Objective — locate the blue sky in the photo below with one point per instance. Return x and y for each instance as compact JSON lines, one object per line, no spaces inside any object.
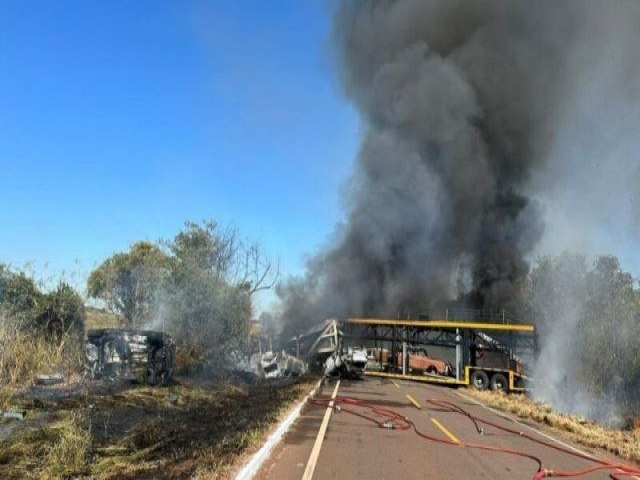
{"x":121,"y":120}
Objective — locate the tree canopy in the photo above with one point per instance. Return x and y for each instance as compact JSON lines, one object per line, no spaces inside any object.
{"x":129,"y":282}
{"x":53,"y":313}
{"x":198,"y":286}
{"x":20,"y":297}
{"x":208,"y":295}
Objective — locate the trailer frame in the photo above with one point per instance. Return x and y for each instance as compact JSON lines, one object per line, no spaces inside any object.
{"x":509,"y":339}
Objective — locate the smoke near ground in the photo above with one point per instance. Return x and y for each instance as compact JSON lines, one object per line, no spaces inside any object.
{"x":482,"y":122}
{"x":588,"y":319}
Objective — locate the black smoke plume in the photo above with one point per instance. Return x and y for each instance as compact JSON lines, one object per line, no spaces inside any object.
{"x":460,"y":103}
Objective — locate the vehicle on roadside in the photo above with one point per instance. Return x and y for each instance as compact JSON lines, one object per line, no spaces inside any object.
{"x":143,"y":355}
{"x":280,"y":365}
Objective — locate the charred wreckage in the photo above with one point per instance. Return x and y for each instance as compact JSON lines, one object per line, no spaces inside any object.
{"x":130,"y":354}
{"x":485,"y":352}
{"x":320,"y":350}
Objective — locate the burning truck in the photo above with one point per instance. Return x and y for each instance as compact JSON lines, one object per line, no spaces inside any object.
{"x":324,"y":349}
{"x":142,"y":355}
{"x":320,"y":349}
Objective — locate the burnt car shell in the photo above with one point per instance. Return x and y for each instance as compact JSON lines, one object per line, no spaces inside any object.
{"x":130,"y":354}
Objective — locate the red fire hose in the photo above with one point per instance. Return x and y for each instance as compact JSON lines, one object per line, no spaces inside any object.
{"x":387,"y":418}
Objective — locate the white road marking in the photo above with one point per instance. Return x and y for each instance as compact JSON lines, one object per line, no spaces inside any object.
{"x":256,"y":461}
{"x":511,"y":417}
{"x":315,"y":452}
{"x":504,"y":414}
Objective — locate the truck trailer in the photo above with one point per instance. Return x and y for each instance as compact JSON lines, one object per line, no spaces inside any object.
{"x":480,"y":354}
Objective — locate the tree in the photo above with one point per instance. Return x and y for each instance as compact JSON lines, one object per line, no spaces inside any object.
{"x":221,"y":253}
{"x":129,"y":282}
{"x":198,"y":285}
{"x":20,"y":297}
{"x":52,"y":314}
{"x":208,"y":295}
{"x":609,"y":329}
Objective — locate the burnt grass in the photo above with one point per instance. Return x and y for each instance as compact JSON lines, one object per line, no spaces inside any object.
{"x":187,"y":429}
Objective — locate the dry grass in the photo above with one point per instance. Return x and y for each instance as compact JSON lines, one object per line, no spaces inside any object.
{"x":23,"y":355}
{"x":120,"y":431}
{"x":6,"y":395}
{"x":188,"y":430}
{"x":57,"y":450}
{"x":69,"y":455}
{"x":131,"y":432}
{"x":623,"y":443}
{"x":221,"y":460}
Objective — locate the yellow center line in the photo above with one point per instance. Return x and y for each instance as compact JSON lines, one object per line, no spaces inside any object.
{"x":414,"y":401}
{"x":451,"y":436}
{"x":435,"y":421}
{"x":394,"y":382}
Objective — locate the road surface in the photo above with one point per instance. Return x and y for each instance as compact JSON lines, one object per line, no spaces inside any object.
{"x":354,"y":448}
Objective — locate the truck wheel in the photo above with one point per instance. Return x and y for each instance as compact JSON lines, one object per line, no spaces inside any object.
{"x":499,"y":382}
{"x":432,"y":370}
{"x":480,"y":379}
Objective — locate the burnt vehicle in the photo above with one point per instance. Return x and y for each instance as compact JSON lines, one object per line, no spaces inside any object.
{"x":419,"y":361}
{"x":142,"y":355}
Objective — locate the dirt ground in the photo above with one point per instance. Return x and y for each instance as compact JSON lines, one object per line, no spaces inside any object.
{"x":102,"y":430}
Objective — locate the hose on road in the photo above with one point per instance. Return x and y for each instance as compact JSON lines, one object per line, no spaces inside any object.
{"x":387,"y":418}
{"x":395,"y":420}
{"x":622,"y":470}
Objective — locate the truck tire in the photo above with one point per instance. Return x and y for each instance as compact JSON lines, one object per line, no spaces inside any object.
{"x":479,"y":379}
{"x":499,"y":382}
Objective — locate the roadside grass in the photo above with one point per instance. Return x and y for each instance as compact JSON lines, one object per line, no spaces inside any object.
{"x":195,"y":431}
{"x":69,"y":455}
{"x":6,"y":394}
{"x":23,"y":355}
{"x":57,"y":450}
{"x":196,"y":427}
{"x":181,"y":431}
{"x":622,"y":443}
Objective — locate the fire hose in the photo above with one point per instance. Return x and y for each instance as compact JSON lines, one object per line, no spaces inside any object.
{"x":390,"y":419}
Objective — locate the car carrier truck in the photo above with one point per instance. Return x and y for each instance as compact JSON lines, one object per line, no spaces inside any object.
{"x":481,"y":354}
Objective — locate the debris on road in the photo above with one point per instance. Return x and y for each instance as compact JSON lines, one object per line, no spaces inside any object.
{"x":347,"y":365}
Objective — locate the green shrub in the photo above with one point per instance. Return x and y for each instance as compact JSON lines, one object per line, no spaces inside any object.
{"x":62,"y":312}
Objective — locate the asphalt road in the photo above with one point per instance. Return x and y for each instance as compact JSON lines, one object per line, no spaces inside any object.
{"x":354,"y":448}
